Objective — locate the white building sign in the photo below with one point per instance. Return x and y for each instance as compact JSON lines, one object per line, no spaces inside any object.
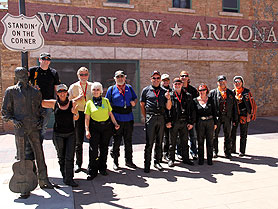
{"x":22,"y":33}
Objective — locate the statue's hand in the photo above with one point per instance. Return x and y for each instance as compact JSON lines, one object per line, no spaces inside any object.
{"x":17,"y":123}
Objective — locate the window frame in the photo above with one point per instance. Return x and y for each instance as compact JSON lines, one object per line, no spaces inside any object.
{"x":236,"y":10}
{"x":127,"y":2}
{"x":190,"y":6}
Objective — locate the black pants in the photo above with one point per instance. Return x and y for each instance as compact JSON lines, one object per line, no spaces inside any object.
{"x":65,"y":146}
{"x":80,"y":133}
{"x":98,"y":149}
{"x":243,"y":137}
{"x":124,"y":132}
{"x":165,"y":143}
{"x":205,"y":129}
{"x":179,"y":128}
{"x":154,"y":134}
{"x":226,"y":122}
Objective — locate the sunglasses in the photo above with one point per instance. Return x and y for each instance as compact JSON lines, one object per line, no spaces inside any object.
{"x":178,"y":83}
{"x":46,"y":58}
{"x":202,"y":89}
{"x":237,"y":81}
{"x":85,"y":74}
{"x":120,"y":76}
{"x":183,"y":76}
{"x":62,"y":90}
{"x":156,"y":78}
{"x":96,"y":89}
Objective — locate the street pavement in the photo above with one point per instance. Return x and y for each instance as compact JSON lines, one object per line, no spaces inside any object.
{"x":243,"y":182}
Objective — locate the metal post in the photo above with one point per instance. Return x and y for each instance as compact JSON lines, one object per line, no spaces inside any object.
{"x":24,"y":55}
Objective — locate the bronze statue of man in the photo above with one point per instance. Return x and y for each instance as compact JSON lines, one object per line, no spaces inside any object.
{"x":22,"y":106}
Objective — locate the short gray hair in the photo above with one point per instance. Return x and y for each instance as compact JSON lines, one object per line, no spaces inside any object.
{"x":82,"y":69}
{"x":97,"y":85}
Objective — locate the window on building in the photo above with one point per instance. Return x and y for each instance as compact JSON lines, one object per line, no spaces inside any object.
{"x":3,"y":4}
{"x":119,"y":1}
{"x":230,"y":5}
{"x":182,"y":4}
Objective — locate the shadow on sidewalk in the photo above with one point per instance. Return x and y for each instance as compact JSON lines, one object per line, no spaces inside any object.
{"x":257,"y":160}
{"x":49,"y":198}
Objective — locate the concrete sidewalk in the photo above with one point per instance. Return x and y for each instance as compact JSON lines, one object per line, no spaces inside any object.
{"x":247,"y":182}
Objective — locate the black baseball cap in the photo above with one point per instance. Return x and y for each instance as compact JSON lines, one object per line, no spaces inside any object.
{"x":155,"y":72}
{"x":45,"y":55}
{"x":221,"y":78}
{"x":177,"y":80}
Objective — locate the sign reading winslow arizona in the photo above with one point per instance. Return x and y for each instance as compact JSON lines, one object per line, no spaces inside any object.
{"x":62,"y":23}
{"x":22,"y":33}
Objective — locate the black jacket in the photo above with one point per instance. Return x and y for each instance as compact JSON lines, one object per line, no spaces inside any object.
{"x":246,"y":99}
{"x":230,"y":101}
{"x":175,"y":112}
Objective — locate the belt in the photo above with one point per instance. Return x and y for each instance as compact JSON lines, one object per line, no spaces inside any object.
{"x":206,"y":117}
{"x":102,"y":122}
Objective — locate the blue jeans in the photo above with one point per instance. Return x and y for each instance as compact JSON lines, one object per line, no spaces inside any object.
{"x":193,"y":141}
{"x":47,"y":114}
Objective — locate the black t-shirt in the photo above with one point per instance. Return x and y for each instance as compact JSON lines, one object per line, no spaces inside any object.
{"x":155,"y":100}
{"x":45,"y":79}
{"x":192,"y":90}
{"x":63,"y":119}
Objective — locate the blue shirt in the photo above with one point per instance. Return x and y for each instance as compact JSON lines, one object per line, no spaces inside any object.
{"x":117,"y":99}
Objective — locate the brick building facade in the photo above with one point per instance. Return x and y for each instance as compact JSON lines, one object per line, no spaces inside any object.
{"x":204,"y":38}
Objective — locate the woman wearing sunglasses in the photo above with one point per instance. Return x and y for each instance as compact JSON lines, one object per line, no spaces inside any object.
{"x":206,"y":123}
{"x":65,"y":112}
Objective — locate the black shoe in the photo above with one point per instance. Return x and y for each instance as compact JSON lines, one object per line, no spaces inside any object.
{"x":188,"y":162}
{"x":241,"y":154}
{"x":104,"y":173}
{"x":228,"y":156}
{"x":171,"y":163}
{"x":233,"y":152}
{"x":215,"y":155}
{"x":210,"y":162}
{"x":24,"y":195}
{"x":158,"y":167}
{"x":71,"y":183}
{"x":131,"y":165}
{"x":77,"y":168}
{"x":194,"y":156}
{"x":201,"y":162}
{"x":146,"y":170}
{"x":91,"y":177}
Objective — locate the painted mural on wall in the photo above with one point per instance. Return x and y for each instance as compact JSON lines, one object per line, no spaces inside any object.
{"x":62,"y":23}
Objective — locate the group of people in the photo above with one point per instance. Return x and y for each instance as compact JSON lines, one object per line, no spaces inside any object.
{"x":172,"y":117}
{"x":173,"y":114}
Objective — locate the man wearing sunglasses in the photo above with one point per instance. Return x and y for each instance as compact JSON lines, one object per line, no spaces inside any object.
{"x":122,"y":98}
{"x":184,"y":76}
{"x":80,"y":92}
{"x":181,"y":119}
{"x":45,"y":79}
{"x":226,"y":113}
{"x":154,"y":101}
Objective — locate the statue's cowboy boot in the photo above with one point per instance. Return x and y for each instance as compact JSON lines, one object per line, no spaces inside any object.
{"x":45,"y":184}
